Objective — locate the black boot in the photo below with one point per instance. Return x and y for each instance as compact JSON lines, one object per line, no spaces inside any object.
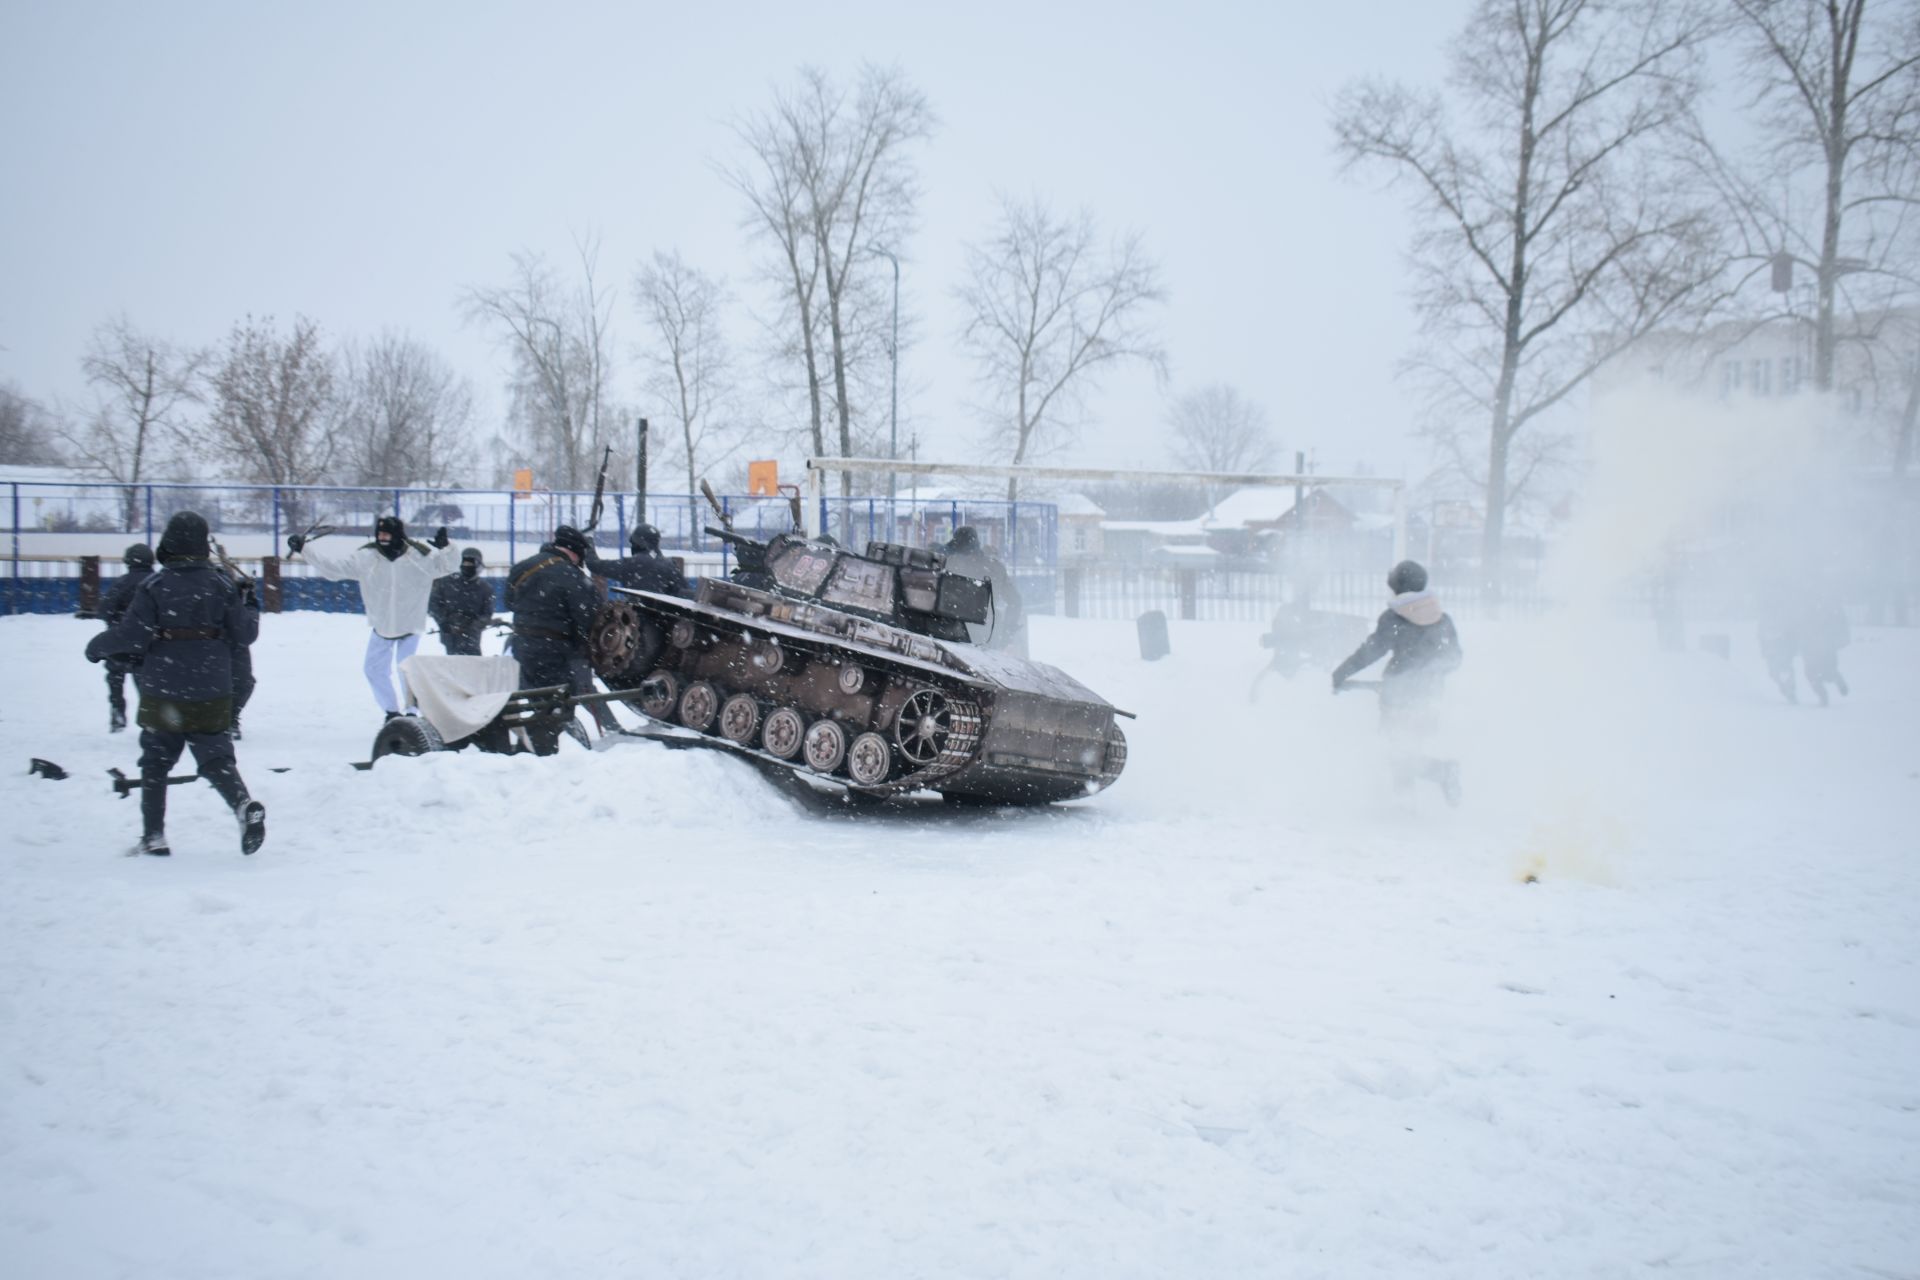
{"x":116,"y":720}
{"x":253,"y":825}
{"x":154,"y":845}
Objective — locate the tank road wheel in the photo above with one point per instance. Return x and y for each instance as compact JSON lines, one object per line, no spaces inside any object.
{"x":782,"y":733}
{"x":825,"y":746}
{"x":698,"y":705}
{"x":739,"y":717}
{"x":614,"y":638}
{"x":407,"y":736}
{"x":659,"y":695}
{"x":924,"y":725}
{"x":869,"y":760}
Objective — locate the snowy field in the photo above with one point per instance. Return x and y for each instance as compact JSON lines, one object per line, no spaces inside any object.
{"x":636,"y":1012}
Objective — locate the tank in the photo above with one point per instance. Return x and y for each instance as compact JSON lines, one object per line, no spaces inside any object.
{"x":856,"y":668}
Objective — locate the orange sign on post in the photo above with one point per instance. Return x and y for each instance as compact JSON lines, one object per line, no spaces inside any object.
{"x":763,"y":479}
{"x":523,"y":482}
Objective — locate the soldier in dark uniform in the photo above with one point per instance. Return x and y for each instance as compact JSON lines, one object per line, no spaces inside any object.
{"x":462,"y":604}
{"x":1006,"y":628}
{"x":553,"y":605}
{"x":138,"y":560}
{"x":645,"y":570}
{"x":243,"y":681}
{"x":184,"y":624}
{"x":1418,"y":639}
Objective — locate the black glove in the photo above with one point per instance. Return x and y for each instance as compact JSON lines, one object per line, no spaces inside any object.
{"x":440,"y":538}
{"x":295,"y":541}
{"x":94,"y":653}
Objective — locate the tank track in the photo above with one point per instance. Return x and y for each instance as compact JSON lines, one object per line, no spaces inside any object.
{"x":964,"y":726}
{"x":963,"y":737}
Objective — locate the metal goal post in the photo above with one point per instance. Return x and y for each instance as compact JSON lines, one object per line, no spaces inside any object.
{"x":817,"y":468}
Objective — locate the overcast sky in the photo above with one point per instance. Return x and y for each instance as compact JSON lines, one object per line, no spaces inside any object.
{"x":189,"y":163}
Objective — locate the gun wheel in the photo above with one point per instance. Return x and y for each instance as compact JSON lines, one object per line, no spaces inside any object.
{"x":783,"y":732}
{"x":407,"y":736}
{"x":869,"y":760}
{"x":739,"y":718}
{"x":825,"y":746}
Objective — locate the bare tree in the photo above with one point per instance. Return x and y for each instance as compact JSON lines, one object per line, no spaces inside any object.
{"x":1048,"y":311}
{"x":145,"y":386}
{"x":26,"y":430}
{"x":1218,"y":429}
{"x":1837,"y":187}
{"x":272,"y":402}
{"x":829,"y":176}
{"x":403,"y":413}
{"x":560,"y":342}
{"x":688,"y":366}
{"x":1553,"y":234}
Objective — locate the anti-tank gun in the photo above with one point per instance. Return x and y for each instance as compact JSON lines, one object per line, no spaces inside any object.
{"x":855,"y":668}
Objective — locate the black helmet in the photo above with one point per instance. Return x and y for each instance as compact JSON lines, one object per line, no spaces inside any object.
{"x":473,"y":554}
{"x":965,"y":538}
{"x":138,"y":556}
{"x":185,"y":539}
{"x":568,"y":538}
{"x":644,"y":540}
{"x":1407,"y":576}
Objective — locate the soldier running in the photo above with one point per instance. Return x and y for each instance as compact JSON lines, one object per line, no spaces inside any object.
{"x":182,"y":625}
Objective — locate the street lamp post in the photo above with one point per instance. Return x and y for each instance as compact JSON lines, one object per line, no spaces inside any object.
{"x":893,"y":353}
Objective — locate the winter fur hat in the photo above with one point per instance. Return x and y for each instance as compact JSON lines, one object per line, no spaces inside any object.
{"x":138,"y":556}
{"x":568,"y":538}
{"x":644,"y":540}
{"x":185,"y":538}
{"x":396,"y":544}
{"x":1407,"y":576}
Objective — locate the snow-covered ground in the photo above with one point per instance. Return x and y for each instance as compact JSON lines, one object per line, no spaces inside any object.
{"x":637,"y":1013}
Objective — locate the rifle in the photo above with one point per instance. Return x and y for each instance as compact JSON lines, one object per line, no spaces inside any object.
{"x":599,"y":492}
{"x":714,"y":502}
{"x":238,"y":576}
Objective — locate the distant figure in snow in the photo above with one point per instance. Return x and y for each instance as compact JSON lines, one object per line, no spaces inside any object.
{"x":1823,"y":633}
{"x":1006,"y":628}
{"x":182,"y":625}
{"x":462,"y":605}
{"x":396,"y":576}
{"x":138,"y":560}
{"x":1425,"y":649}
{"x":1811,"y":626}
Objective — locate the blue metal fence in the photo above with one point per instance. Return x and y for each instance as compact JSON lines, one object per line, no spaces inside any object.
{"x":49,"y":524}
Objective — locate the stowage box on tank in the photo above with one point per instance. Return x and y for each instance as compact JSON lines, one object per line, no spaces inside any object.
{"x":857,"y":668}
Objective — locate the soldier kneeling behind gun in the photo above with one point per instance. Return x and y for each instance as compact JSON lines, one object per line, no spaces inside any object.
{"x":1425,"y":648}
{"x":183,"y":625}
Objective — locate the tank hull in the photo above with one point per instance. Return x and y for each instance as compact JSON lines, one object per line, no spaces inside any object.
{"x":869,"y":705}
